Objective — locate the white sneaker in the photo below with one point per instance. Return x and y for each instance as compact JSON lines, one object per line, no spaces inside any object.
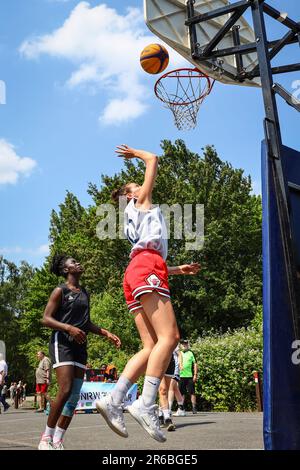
{"x":58,"y":445}
{"x":148,"y":419}
{"x":45,"y":443}
{"x":180,"y":412}
{"x":113,"y":415}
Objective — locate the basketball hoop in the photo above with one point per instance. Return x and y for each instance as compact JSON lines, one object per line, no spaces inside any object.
{"x":183,"y":91}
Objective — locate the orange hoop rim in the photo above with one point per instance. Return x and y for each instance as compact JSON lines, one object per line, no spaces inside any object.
{"x":179,"y":73}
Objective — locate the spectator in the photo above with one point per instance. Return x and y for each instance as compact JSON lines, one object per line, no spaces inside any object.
{"x":20,"y":392}
{"x":3,"y":397}
{"x":3,"y":369}
{"x":24,"y":393}
{"x":103,"y":373}
{"x":111,"y":374}
{"x":13,"y":391}
{"x":3,"y":374}
{"x":188,"y":373}
{"x":43,"y":375}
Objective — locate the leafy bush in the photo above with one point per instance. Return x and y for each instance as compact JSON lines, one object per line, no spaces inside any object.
{"x":226,"y":364}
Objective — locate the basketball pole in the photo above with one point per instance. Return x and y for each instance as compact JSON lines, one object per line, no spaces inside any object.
{"x":274,"y":147}
{"x":278,"y":434}
{"x":272,"y":130}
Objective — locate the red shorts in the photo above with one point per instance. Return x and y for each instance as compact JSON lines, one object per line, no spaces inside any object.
{"x":146,"y":272}
{"x":41,"y":388}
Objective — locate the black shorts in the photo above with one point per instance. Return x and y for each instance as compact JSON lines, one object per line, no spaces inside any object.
{"x":171,"y":368}
{"x":67,"y":353}
{"x":187,"y":386}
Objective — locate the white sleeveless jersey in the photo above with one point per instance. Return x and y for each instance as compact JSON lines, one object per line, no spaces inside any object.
{"x":146,"y":230}
{"x":176,"y":359}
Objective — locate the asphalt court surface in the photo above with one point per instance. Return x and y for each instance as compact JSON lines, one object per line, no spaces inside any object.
{"x":21,"y":430}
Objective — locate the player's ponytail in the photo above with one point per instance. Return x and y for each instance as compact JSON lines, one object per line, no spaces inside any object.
{"x":123,"y":191}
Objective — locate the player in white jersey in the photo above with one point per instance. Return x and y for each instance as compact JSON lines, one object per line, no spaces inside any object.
{"x":168,"y":387}
{"x":148,"y":298}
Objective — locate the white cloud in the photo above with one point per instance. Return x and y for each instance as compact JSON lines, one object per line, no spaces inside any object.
{"x":118,"y":111}
{"x":256,"y":187}
{"x":40,"y":250}
{"x":11,"y":165}
{"x":105,"y":47}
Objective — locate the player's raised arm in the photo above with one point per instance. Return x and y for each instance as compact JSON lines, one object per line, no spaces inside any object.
{"x":144,"y":200}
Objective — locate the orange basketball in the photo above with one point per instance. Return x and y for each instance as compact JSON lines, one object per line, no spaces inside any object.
{"x":154,"y":58}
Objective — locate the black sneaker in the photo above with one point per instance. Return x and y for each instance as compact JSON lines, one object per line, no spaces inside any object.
{"x":169,"y":425}
{"x":194,"y":411}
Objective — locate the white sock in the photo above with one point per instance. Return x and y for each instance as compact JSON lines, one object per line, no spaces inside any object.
{"x":166,"y":414}
{"x":170,"y":405}
{"x":58,"y":435}
{"x":150,"y":389}
{"x":120,"y":390}
{"x":49,"y":432}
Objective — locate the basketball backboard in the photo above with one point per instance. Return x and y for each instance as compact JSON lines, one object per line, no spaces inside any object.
{"x":166,"y":19}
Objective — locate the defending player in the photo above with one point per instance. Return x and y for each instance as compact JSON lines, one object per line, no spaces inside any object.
{"x":68,"y":314}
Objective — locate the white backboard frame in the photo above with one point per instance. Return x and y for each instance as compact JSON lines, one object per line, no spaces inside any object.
{"x":166,"y":19}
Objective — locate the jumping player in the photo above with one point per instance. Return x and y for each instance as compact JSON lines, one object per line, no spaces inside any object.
{"x":148,"y":298}
{"x":68,"y":314}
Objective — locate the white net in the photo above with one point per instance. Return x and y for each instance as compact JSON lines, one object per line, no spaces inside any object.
{"x":183,"y":91}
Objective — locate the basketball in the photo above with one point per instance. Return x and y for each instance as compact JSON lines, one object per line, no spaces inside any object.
{"x":154,"y":58}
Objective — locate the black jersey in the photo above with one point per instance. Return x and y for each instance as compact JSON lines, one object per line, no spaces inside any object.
{"x":74,"y":309}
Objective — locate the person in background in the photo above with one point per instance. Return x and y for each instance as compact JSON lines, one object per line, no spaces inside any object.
{"x":188,"y":373}
{"x":43,"y":375}
{"x":3,"y":397}
{"x":3,"y":375}
{"x":12,"y":392}
{"x":112,"y":374}
{"x":174,"y":391}
{"x":103,"y":373}
{"x":23,"y":399}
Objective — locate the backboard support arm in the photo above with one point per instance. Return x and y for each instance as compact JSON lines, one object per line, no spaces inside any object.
{"x":265,"y":71}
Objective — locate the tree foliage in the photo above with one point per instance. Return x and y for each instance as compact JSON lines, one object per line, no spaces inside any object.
{"x":225,"y":294}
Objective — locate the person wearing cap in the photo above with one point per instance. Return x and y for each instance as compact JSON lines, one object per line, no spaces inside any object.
{"x":188,"y":373}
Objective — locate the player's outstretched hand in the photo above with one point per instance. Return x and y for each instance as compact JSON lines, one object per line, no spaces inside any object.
{"x":129,"y":152}
{"x":114,"y":339}
{"x":192,"y":268}
{"x":125,"y":151}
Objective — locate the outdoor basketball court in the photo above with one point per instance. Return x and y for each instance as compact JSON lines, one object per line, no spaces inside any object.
{"x":21,"y":430}
{"x":221,"y":46}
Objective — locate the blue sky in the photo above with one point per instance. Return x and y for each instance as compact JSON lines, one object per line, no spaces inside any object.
{"x":74,"y":90}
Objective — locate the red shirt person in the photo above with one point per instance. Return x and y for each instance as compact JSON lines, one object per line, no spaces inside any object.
{"x":42,"y":375}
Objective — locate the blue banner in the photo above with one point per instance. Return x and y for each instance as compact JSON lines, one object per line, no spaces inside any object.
{"x":92,"y":391}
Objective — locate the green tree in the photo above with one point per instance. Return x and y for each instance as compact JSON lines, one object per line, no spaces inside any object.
{"x":225,"y":294}
{"x":14,"y":283}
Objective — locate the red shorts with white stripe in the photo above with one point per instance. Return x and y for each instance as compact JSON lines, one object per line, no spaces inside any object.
{"x":146,"y":272}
